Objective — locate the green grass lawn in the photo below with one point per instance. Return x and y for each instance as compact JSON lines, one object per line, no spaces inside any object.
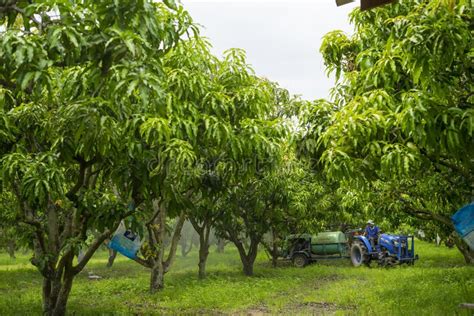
{"x":436,"y":285}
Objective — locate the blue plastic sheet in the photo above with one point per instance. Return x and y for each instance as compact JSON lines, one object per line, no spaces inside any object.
{"x":463,"y":221}
{"x":125,"y":242}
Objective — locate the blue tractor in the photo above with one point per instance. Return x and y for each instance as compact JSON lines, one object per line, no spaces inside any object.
{"x":388,"y":250}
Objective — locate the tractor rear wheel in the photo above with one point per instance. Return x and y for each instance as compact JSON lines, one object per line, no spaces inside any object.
{"x":300,"y":260}
{"x":359,"y":254}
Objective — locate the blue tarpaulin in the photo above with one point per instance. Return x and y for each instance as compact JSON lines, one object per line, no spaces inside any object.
{"x":125,"y":242}
{"x":463,"y":221}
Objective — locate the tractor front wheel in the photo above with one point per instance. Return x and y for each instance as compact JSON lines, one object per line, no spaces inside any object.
{"x":300,"y":260}
{"x":359,"y":255}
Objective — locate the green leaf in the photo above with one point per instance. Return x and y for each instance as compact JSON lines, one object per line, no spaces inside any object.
{"x":171,"y":4}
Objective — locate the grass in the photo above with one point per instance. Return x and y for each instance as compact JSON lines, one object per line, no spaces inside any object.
{"x":436,"y":285}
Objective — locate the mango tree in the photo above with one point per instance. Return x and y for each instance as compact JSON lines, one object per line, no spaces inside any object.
{"x":73,"y":76}
{"x":401,"y":118}
{"x":299,"y":200}
{"x":166,"y":173}
{"x":215,"y":109}
{"x":202,"y":110}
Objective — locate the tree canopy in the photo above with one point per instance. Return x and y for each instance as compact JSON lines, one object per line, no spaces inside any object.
{"x":401,"y":119}
{"x":74,"y":77}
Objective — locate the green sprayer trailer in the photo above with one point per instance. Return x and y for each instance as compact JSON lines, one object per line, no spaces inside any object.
{"x":305,"y":248}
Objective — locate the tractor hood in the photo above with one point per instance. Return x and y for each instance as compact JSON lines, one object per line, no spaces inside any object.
{"x":391,"y":238}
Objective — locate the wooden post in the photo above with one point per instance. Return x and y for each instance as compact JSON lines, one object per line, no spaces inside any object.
{"x":369,"y":4}
{"x":343,"y":2}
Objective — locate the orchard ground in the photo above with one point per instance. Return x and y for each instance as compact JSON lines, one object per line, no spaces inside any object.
{"x":436,"y":285}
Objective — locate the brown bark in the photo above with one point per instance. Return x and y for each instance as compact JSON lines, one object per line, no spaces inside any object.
{"x":175,"y":242}
{"x":61,"y":303}
{"x":274,"y":258}
{"x":57,"y":286}
{"x":247,"y":258}
{"x":203,"y":251}
{"x":11,"y":247}
{"x":185,"y":250}
{"x":220,"y":245}
{"x":204,"y":232}
{"x":467,"y":252}
{"x":203,"y":254}
{"x":248,"y":268}
{"x":274,"y":251}
{"x":53,"y":228}
{"x":46,"y":295}
{"x":157,"y":277}
{"x":156,"y":237}
{"x":111,"y":259}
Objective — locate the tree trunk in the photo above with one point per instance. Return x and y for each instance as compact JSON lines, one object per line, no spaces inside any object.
{"x":58,"y":276}
{"x":56,"y":289}
{"x":157,"y":281}
{"x":247,"y":267}
{"x":248,"y":259}
{"x":274,"y":251}
{"x":156,"y":236}
{"x":11,"y":247}
{"x":203,"y":252}
{"x":61,"y":303}
{"x":47,"y":296}
{"x":112,"y":255}
{"x":174,"y":242}
{"x":467,"y":253}
{"x":274,"y":260}
{"x":204,"y":232}
{"x":184,"y":247}
{"x":160,"y":267}
{"x":220,"y":245}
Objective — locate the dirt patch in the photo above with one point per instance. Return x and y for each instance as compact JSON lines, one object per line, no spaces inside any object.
{"x":254,"y":311}
{"x":313,"y":308}
{"x":295,"y":304}
{"x":324,"y":306}
{"x":146,"y":309}
{"x":309,"y":308}
{"x":319,"y":282}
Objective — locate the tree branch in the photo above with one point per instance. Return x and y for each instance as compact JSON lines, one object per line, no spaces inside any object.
{"x":71,"y":194}
{"x":427,"y":215}
{"x":97,"y":242}
{"x":196,"y":226}
{"x":174,"y":242}
{"x":39,"y":233}
{"x":142,"y":262}
{"x":93,"y":248}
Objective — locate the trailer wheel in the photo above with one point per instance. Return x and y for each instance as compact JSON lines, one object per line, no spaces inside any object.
{"x":359,"y":255}
{"x":300,"y":260}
